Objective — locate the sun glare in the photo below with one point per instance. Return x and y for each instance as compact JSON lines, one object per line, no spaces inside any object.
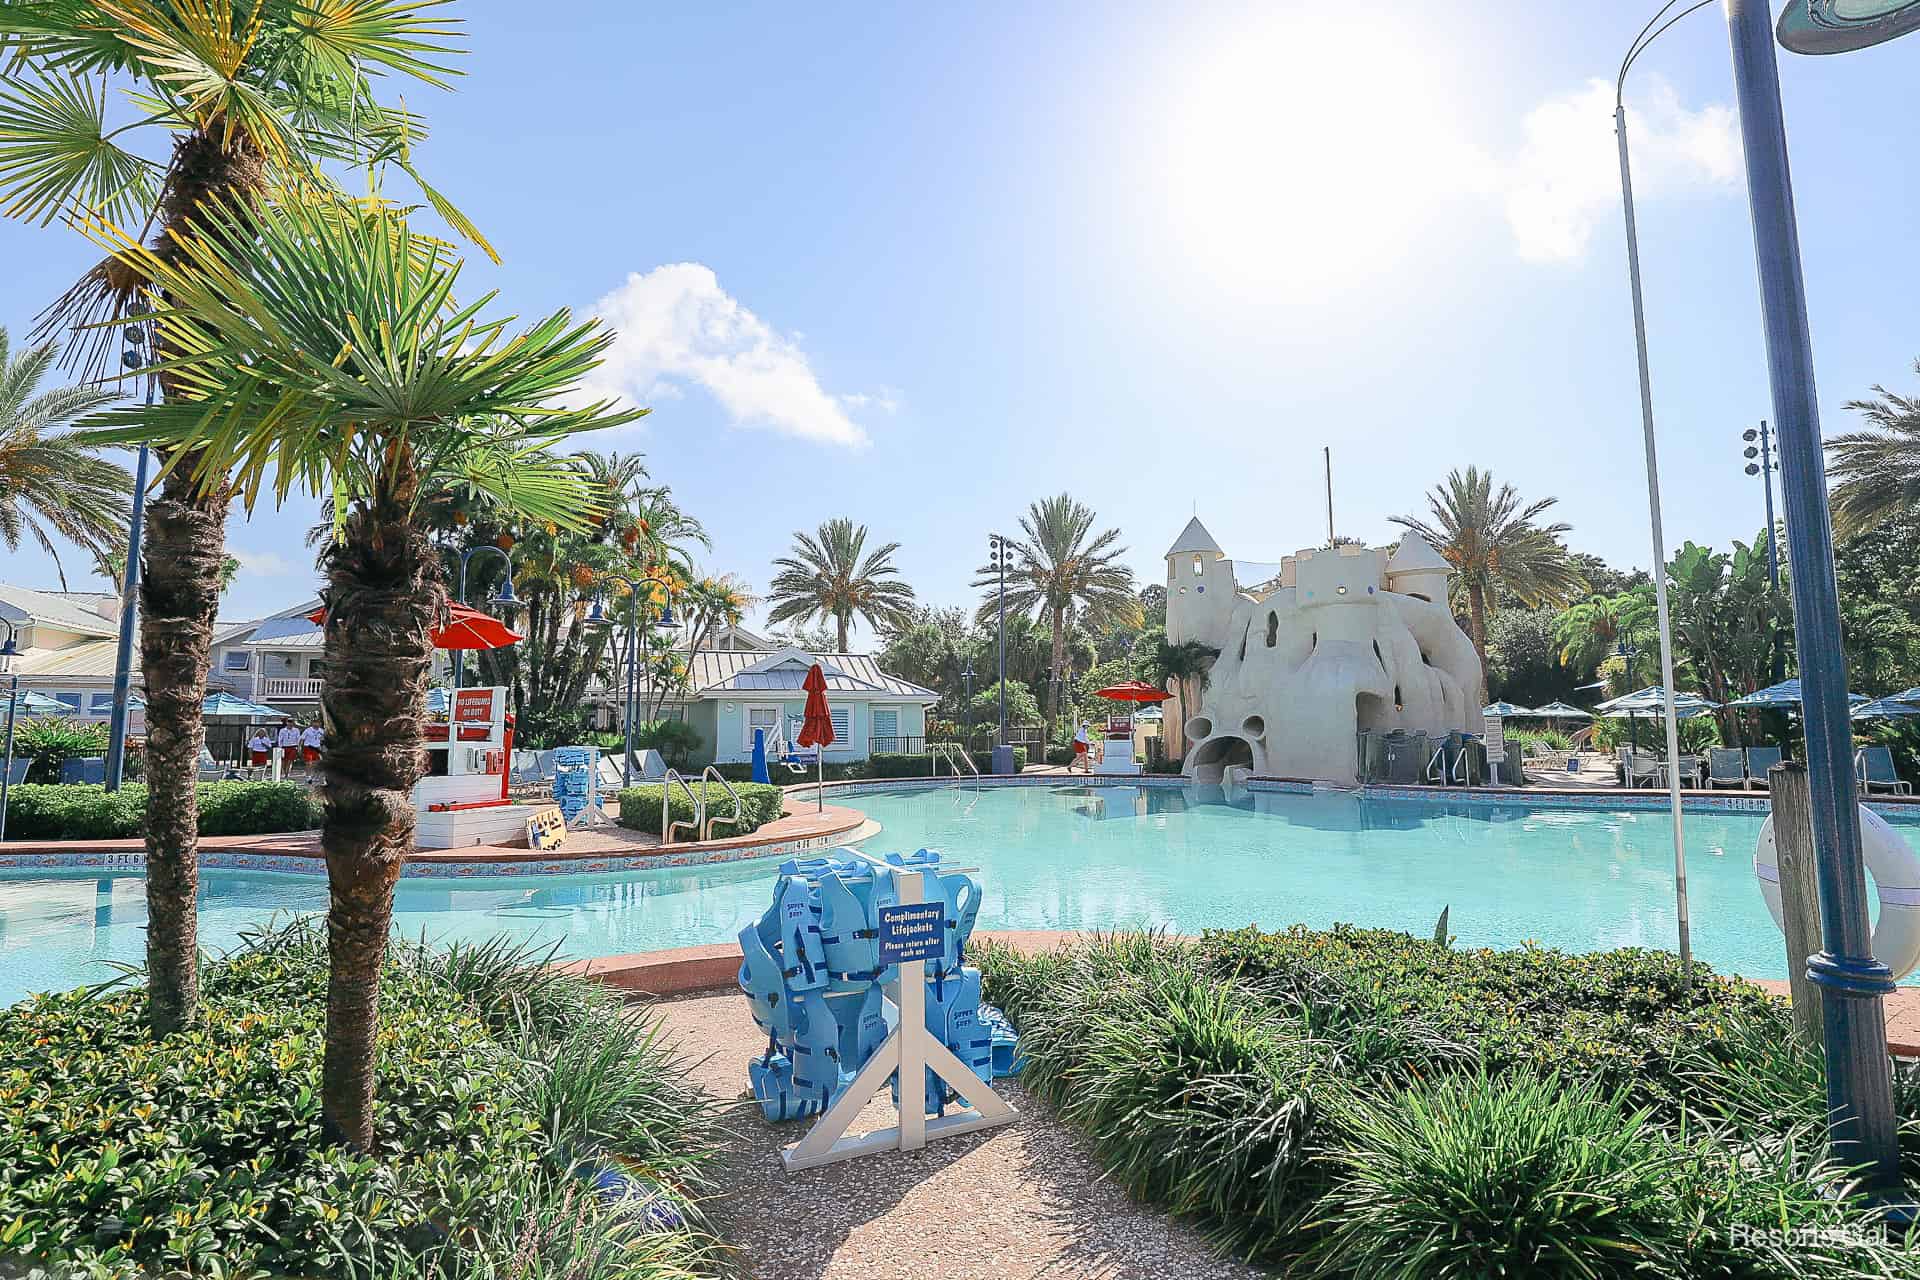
{"x":1306,"y":154}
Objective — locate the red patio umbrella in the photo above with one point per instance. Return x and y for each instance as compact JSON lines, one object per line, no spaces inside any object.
{"x":1132,"y":691}
{"x":465,"y":628}
{"x":816,"y":730}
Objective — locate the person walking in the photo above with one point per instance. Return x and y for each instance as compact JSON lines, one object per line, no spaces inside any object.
{"x":259,"y":746}
{"x":289,"y":744}
{"x":310,"y":741}
{"x":1081,"y":750}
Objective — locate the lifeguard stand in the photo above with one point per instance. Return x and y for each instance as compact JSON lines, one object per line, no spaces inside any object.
{"x":463,"y":799}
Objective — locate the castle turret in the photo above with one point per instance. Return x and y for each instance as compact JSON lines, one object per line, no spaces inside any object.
{"x":1416,"y":569}
{"x":1200,"y":587}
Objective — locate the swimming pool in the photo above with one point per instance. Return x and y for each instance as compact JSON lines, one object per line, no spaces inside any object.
{"x":1054,"y":858}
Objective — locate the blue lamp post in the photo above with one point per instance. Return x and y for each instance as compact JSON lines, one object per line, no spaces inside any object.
{"x":1861,"y":1128}
{"x":597,"y":617}
{"x":138,"y":352}
{"x":504,"y":596}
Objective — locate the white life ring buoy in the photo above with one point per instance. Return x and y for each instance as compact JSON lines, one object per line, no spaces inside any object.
{"x":1895,"y":865}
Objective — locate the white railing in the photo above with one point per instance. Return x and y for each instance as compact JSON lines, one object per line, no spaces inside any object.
{"x":290,"y":686}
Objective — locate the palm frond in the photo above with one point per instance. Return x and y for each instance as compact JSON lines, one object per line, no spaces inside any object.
{"x":55,"y":153}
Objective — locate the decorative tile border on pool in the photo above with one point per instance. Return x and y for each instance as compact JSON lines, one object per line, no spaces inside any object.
{"x":435,"y":868}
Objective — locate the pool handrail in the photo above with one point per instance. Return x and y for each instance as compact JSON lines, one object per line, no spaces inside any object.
{"x":739,"y":810}
{"x":698,"y":798}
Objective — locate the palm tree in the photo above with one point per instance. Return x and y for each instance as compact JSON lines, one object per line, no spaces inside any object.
{"x":325,"y":352}
{"x":1876,"y":472}
{"x":49,"y":483}
{"x":831,"y":574}
{"x":1495,"y":546}
{"x":1186,"y":664}
{"x":256,"y":98}
{"x":1064,"y":573}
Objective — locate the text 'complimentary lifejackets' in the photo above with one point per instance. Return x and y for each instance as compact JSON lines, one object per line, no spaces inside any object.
{"x":914,"y":932}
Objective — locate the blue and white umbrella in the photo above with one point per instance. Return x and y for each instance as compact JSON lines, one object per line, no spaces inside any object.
{"x":1784,"y":694}
{"x":1652,"y":699}
{"x":30,"y":703}
{"x":1504,"y":710}
{"x":226,"y":704}
{"x":1905,"y":695}
{"x":1561,"y":711}
{"x":1886,"y":709}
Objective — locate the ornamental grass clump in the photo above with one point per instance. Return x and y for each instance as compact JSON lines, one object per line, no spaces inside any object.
{"x":207,"y":1153}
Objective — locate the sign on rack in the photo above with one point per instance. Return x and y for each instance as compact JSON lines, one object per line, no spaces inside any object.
{"x":916,"y":932}
{"x":473,"y":706}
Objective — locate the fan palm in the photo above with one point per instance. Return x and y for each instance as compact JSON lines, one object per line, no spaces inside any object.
{"x":254,"y":97}
{"x":1495,"y":545}
{"x":831,"y":574}
{"x":320,"y":349}
{"x":1876,"y":472}
{"x":49,"y":483}
{"x":1066,"y":574}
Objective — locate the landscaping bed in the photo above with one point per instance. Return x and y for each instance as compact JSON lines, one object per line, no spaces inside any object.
{"x":501,"y":1083}
{"x":91,"y":812}
{"x":1358,"y":1103}
{"x":760,"y":804}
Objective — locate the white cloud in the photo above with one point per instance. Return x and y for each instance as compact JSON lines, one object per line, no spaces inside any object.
{"x":678,"y":326}
{"x":261,"y":564}
{"x":1566,"y":176}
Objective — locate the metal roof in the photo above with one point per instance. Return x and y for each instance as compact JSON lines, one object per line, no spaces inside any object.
{"x":726,"y":674}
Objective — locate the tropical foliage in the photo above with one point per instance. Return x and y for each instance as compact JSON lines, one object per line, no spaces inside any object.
{"x":321,"y":349}
{"x":88,"y":812}
{"x":1359,"y":1104}
{"x":49,"y":484}
{"x":831,"y":576}
{"x":1496,"y":545}
{"x":1875,"y":471}
{"x":208,"y":1154}
{"x":252,"y":104}
{"x":1063,"y":574}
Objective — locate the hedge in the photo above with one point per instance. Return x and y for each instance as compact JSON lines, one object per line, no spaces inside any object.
{"x":91,"y":812}
{"x":760,"y":803}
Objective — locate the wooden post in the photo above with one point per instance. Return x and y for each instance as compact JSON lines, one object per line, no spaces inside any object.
{"x":1799,"y":892}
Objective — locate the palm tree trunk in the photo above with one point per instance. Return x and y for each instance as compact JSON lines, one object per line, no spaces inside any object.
{"x":1477,"y":632}
{"x":185,"y":543}
{"x":384,"y":592}
{"x":1056,"y":665}
{"x":843,"y":619}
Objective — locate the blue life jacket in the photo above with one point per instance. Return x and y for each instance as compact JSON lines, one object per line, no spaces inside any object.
{"x":1006,"y":1043}
{"x":849,"y":928}
{"x":970,"y":1039}
{"x":760,"y":982}
{"x":962,"y":894}
{"x":803,"y":959}
{"x":863,"y":1028}
{"x":772,"y":1079}
{"x":815,"y":1049}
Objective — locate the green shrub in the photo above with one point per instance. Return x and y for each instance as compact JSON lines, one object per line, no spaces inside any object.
{"x":760,"y":803}
{"x":203,"y":1153}
{"x":49,"y":741}
{"x":91,"y":812}
{"x":1359,"y":1103}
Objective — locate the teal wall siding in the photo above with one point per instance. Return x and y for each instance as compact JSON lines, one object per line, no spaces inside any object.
{"x":722,"y":723}
{"x":702,"y":716}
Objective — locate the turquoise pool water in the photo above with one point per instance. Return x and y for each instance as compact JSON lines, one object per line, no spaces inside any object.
{"x":1054,"y":858}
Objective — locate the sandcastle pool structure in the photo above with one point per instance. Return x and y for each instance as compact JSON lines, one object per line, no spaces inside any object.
{"x":1343,"y":639}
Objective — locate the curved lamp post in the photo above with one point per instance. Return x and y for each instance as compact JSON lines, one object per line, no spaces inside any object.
{"x":504,"y":596}
{"x":1656,"y":26}
{"x":1860,"y":1127}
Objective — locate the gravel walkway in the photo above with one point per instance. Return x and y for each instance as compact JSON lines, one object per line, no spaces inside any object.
{"x":1015,"y":1203}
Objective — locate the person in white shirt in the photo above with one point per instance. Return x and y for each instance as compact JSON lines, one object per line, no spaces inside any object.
{"x":289,"y":744}
{"x":310,"y":740}
{"x":258,"y":746}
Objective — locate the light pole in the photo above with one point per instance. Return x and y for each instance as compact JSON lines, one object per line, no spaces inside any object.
{"x":966,"y":674}
{"x":1002,"y":551}
{"x":504,"y":596}
{"x":597,"y":617}
{"x":7,"y":654}
{"x":1627,"y":652}
{"x":1656,"y":26}
{"x":1764,"y":468}
{"x":1860,"y":1125}
{"x":137,"y":338}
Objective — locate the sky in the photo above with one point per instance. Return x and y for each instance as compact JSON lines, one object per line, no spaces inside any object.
{"x":923,"y":266}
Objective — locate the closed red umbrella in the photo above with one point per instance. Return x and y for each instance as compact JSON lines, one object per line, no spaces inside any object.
{"x":1132,"y":691}
{"x":816,"y":730}
{"x":465,"y":628}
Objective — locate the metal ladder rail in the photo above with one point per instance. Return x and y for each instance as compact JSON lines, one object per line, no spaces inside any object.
{"x":739,"y":809}
{"x":698,"y":798}
{"x":949,"y":751}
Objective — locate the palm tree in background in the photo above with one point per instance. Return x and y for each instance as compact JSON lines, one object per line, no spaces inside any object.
{"x":1185,"y":664}
{"x":1876,"y":472}
{"x":831,"y":575}
{"x":1066,"y":574}
{"x":326,"y":353}
{"x":49,"y":483}
{"x":1495,"y":545}
{"x":256,"y":99}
